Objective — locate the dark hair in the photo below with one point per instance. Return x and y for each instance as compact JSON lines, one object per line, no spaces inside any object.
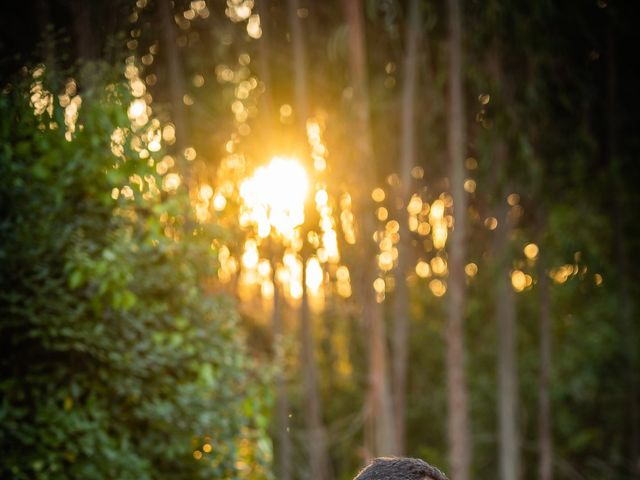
{"x":385,"y":468}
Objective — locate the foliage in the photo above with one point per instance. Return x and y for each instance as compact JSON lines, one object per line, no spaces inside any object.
{"x":115,"y":361}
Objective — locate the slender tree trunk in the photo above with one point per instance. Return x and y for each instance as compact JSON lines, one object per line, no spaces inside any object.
{"x":407,"y":161}
{"x":316,"y":435}
{"x":283,"y":454}
{"x":545,"y":438}
{"x":87,"y":48}
{"x":299,"y":62}
{"x":458,"y":410}
{"x":83,"y":28}
{"x":507,"y":361}
{"x":177,"y":89}
{"x":622,"y":252}
{"x":46,"y":28}
{"x":380,"y":432}
{"x":264,"y":70}
{"x":316,"y":440}
{"x":379,"y":408}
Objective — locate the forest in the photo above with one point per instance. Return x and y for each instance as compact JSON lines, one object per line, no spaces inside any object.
{"x":275,"y":239}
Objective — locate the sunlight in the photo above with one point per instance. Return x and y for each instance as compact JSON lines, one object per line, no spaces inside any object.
{"x":273,"y":198}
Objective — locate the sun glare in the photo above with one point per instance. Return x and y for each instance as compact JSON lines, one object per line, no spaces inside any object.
{"x":274,"y":197}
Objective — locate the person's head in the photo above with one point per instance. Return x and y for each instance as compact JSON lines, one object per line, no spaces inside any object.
{"x":385,"y":468}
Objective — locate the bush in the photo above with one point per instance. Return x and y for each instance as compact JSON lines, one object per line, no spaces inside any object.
{"x":114,"y":361}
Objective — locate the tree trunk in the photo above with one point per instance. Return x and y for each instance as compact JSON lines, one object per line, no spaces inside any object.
{"x":316,"y":435}
{"x":283,"y":454}
{"x":83,"y":29}
{"x":86,"y":43}
{"x":622,"y":252}
{"x":316,"y":440}
{"x":407,"y":161}
{"x":458,"y":410}
{"x":380,"y":433}
{"x":264,"y":70}
{"x":545,"y":438}
{"x":299,"y":63}
{"x":46,"y":27}
{"x":177,"y":89}
{"x":507,"y":361}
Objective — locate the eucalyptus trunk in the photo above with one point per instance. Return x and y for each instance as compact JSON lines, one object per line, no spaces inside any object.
{"x":283,"y":452}
{"x":509,"y":442}
{"x":628,"y":322}
{"x":407,"y":162}
{"x":316,"y":437}
{"x":458,"y":409}
{"x":177,"y":89}
{"x":264,"y":56}
{"x":380,"y":434}
{"x":545,"y":438}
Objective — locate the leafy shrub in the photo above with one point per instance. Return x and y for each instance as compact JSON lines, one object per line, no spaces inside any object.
{"x":115,"y":362}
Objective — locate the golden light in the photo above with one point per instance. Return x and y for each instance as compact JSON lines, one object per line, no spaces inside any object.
{"x":190,"y":153}
{"x":424,"y":229}
{"x":253,"y":27}
{"x":318,"y":149}
{"x":267,"y":289}
{"x":292,"y":275}
{"x":219,"y":202}
{"x":531,"y":251}
{"x":439,"y":235}
{"x":471,"y":163}
{"x":437,"y":287}
{"x":171,"y":182}
{"x":137,"y":112}
{"x":415,"y":205}
{"x":169,"y":134}
{"x":471,"y":269}
{"x":378,"y":195}
{"x":519,"y":280}
{"x":314,"y":275}
{"x":273,"y":198}
{"x":491,"y":223}
{"x":250,"y":257}
{"x":470,"y":185}
{"x":437,"y":210}
{"x":562,"y":273}
{"x":417,"y":172}
{"x":438,"y":265}
{"x":422,"y":269}
{"x":330,"y":245}
{"x":385,"y":261}
{"x":321,"y":198}
{"x":343,"y":281}
{"x":513,"y":199}
{"x":392,"y":226}
{"x":205,"y":192}
{"x":286,"y":110}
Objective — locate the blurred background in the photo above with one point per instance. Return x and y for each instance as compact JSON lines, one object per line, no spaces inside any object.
{"x":277,"y":238}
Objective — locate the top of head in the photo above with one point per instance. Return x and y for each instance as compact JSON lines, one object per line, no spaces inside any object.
{"x":392,"y":468}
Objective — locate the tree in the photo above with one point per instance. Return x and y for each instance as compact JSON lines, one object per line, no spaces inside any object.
{"x":115,"y":363}
{"x":175,"y":82}
{"x":316,"y":439}
{"x":407,"y":162}
{"x":381,"y":433}
{"x":458,"y":414}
